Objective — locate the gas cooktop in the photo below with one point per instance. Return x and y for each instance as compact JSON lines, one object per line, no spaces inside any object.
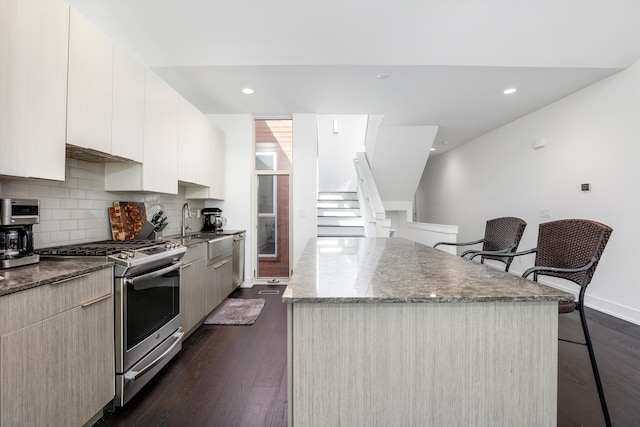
{"x":126,"y":253}
{"x":98,"y":249}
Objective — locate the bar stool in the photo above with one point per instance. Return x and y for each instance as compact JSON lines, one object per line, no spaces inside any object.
{"x":570,"y":249}
{"x":501,"y":235}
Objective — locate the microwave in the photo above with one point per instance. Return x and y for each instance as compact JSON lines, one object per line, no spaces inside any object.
{"x":19,"y":211}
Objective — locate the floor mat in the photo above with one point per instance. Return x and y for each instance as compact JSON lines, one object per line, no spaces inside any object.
{"x":236,"y":311}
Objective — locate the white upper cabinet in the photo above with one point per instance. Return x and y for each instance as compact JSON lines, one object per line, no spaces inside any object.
{"x":160,"y":165}
{"x":33,"y":87}
{"x":159,"y":169}
{"x":215,"y":165}
{"x":128,"y":107}
{"x":193,"y":147}
{"x":90,"y":92}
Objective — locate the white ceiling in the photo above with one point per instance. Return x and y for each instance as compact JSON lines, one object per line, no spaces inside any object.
{"x":448,"y":61}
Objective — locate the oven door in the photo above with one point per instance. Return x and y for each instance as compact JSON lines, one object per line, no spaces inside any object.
{"x":147,"y":312}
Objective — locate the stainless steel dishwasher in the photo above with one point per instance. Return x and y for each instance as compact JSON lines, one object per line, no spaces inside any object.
{"x":238,"y":259}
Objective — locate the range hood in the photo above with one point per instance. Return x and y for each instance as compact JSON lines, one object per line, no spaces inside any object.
{"x":93,"y":156}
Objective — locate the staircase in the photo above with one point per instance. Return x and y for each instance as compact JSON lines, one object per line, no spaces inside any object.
{"x":339,"y":215}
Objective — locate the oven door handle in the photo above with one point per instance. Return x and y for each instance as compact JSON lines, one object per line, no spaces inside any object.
{"x":161,"y":272}
{"x":134,"y":375}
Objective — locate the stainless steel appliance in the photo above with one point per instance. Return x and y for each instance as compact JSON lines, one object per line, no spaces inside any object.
{"x":17,"y":217}
{"x":219,"y":251}
{"x":213,"y":220}
{"x":238,"y":259}
{"x":147,"y":306}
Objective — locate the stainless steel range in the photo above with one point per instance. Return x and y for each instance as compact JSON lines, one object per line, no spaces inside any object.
{"x":147,"y":305}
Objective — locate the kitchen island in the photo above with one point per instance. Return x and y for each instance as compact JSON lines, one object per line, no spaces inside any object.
{"x":386,"y":332}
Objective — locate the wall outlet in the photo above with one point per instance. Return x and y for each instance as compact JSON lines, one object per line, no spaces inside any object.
{"x":544,"y":213}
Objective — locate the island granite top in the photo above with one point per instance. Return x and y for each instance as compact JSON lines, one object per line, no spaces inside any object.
{"x":46,"y":272}
{"x":397,"y":270}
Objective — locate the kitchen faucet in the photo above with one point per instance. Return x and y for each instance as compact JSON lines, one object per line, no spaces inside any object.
{"x":187,"y":215}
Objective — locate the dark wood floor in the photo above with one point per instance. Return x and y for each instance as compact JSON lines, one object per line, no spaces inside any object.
{"x":231,"y":376}
{"x":224,"y":376}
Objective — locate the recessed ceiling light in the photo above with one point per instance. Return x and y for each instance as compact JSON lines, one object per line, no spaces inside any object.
{"x":510,"y":91}
{"x":432,"y":149}
{"x":247,"y":91}
{"x":382,"y":76}
{"x":444,"y":142}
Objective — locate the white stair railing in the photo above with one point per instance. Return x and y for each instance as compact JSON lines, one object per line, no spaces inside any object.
{"x":376,"y":222}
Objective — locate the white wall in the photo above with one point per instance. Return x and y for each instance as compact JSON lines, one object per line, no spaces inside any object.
{"x":336,"y":152}
{"x":305,"y":181}
{"x":591,"y":137}
{"x":399,"y":159}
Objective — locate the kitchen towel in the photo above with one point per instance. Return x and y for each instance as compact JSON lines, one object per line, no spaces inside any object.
{"x":236,"y":311}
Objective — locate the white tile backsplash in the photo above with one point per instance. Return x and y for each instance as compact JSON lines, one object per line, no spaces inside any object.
{"x":76,"y":210}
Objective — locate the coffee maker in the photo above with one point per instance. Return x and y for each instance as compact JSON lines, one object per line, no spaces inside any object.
{"x":17,"y":217}
{"x":213,"y":220}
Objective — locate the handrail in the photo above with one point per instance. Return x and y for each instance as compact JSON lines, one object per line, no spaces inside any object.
{"x":368,"y":185}
{"x":370,"y":196}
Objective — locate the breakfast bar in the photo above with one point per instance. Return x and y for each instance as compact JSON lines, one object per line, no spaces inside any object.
{"x":386,"y":331}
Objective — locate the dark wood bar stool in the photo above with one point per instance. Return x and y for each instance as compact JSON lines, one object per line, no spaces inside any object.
{"x":501,"y":235}
{"x":570,"y":249}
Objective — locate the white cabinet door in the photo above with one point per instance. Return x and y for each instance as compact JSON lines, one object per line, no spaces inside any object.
{"x":193,"y":147}
{"x":160,"y":164}
{"x":33,"y":88}
{"x":158,"y":171}
{"x":90,"y":92}
{"x":128,"y":107}
{"x":217,"y":163}
{"x":215,"y":166}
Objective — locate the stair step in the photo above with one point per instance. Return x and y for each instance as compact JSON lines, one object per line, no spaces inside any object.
{"x":338,"y":204}
{"x":338,"y":195}
{"x":328,"y":231}
{"x":342,"y":212}
{"x":340,"y":221}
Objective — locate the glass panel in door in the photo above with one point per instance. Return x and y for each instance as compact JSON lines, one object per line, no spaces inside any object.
{"x":273,"y":226}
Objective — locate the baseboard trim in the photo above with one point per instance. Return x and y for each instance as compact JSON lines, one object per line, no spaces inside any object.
{"x":619,"y":311}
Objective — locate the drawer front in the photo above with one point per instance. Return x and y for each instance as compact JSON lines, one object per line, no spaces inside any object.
{"x":30,"y":306}
{"x":194,"y":252}
{"x":219,"y":249}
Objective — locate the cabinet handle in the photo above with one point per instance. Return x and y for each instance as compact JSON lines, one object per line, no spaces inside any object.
{"x":57,"y":282}
{"x":95,"y":300}
{"x":189,"y":264}
{"x":221,"y":263}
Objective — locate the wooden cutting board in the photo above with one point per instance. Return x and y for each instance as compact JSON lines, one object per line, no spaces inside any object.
{"x":117,"y":232}
{"x":129,"y":218}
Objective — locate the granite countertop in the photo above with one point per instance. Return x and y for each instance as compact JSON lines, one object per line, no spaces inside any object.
{"x":46,"y":272}
{"x":396,"y":270}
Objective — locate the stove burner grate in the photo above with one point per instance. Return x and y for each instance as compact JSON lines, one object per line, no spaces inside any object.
{"x":102,"y":248}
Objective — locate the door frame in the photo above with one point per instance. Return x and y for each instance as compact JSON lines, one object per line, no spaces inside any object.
{"x":254,"y":208}
{"x":254,"y":225}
